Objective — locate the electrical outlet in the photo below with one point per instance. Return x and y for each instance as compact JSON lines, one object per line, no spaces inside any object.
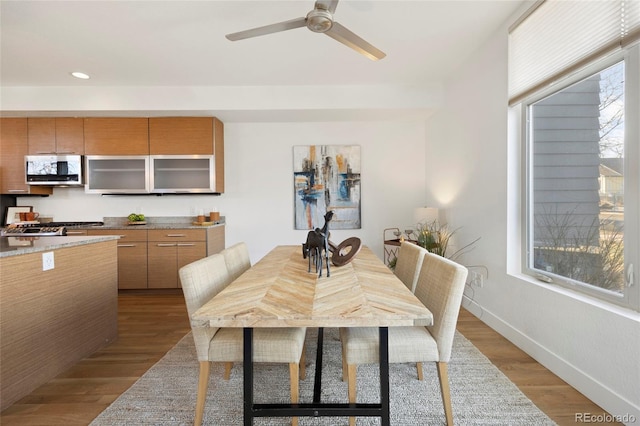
{"x":477,"y":280}
{"x":47,"y":261}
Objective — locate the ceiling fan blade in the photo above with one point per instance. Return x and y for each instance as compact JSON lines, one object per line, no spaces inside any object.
{"x":346,"y":37}
{"x":268,"y":29}
{"x":329,"y":5}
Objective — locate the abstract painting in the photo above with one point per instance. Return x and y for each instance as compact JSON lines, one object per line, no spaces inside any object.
{"x":326,"y":177}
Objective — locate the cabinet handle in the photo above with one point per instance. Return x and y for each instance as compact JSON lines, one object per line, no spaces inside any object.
{"x":126,"y":245}
{"x":17,"y":190}
{"x":166,"y":245}
{"x":185,"y":244}
{"x":176,"y":235}
{"x":55,"y":152}
{"x":75,"y":233}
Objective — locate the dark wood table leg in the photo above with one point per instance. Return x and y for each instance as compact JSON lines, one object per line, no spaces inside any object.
{"x":248,"y":376}
{"x":384,"y":376}
{"x":317,"y":384}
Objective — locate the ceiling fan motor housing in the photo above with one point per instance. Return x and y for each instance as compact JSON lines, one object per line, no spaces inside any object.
{"x":319,"y":20}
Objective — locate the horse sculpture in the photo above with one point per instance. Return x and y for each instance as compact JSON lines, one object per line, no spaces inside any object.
{"x":317,"y":242}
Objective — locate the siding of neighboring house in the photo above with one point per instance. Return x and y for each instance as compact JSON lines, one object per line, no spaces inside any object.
{"x":612,"y":181}
{"x":566,"y":164}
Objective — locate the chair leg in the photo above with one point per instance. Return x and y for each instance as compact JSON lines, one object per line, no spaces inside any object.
{"x":227,"y":370}
{"x":303,"y":360}
{"x":294,"y":377}
{"x":203,"y":382}
{"x":351,"y":383}
{"x":345,"y":373}
{"x":419,"y":369}
{"x":446,"y":394}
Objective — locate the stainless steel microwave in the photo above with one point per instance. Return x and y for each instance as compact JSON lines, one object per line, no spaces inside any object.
{"x":62,"y":170}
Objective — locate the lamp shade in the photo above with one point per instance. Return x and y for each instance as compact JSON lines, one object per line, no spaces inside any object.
{"x":426,"y":214}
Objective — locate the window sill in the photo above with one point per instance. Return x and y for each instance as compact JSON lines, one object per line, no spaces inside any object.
{"x":622,"y":311}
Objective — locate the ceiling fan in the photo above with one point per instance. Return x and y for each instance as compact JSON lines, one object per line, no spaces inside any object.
{"x":319,"y":20}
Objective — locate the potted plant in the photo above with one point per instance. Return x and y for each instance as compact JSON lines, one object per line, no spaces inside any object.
{"x":435,"y":237}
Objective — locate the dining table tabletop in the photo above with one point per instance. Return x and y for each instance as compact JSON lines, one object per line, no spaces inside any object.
{"x":279,"y":291}
{"x":284,"y":290}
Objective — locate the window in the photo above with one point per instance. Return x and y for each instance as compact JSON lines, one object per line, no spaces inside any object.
{"x":576,"y":200}
{"x":574,"y":72}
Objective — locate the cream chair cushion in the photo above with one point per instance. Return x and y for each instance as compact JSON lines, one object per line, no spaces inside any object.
{"x":237,"y":259}
{"x":270,"y":345}
{"x":406,"y":344}
{"x":201,"y":280}
{"x":440,"y":289}
{"x":440,"y":286}
{"x":409,"y":263}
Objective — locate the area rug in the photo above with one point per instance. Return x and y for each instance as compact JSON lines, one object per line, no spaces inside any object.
{"x":481,"y":394}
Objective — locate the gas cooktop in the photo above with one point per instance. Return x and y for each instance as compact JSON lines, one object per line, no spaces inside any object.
{"x":43,"y":229}
{"x":70,"y":224}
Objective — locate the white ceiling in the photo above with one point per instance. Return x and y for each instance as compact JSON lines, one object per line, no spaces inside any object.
{"x":181,"y":43}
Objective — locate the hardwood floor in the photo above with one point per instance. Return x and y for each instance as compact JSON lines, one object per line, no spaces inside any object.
{"x":549,"y":393}
{"x":151,"y":324}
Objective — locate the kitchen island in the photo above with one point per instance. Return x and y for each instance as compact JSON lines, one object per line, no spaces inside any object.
{"x":58,"y":304}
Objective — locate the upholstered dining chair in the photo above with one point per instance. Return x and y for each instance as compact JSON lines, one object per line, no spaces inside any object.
{"x":409,"y":262}
{"x":440,"y":286}
{"x":202,"y":280}
{"x":237,"y":259}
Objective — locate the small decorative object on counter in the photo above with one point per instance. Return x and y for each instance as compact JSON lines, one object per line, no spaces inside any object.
{"x":136,"y":219}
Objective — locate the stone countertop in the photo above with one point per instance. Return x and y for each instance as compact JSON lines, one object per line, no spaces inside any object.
{"x":158,"y":222}
{"x":15,"y":246}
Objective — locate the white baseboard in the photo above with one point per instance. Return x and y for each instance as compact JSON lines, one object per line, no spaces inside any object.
{"x":625,"y":411}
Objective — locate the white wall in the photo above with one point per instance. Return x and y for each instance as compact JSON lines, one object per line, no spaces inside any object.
{"x":592,"y":345}
{"x":258,"y":201}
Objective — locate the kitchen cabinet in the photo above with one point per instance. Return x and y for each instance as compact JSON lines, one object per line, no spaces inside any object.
{"x":185,"y":135}
{"x":61,"y":135}
{"x":116,"y":136}
{"x":171,"y":249}
{"x":151,"y":258}
{"x":132,"y":256}
{"x":182,"y":173}
{"x":13,"y":147}
{"x":176,"y":136}
{"x":117,"y":174}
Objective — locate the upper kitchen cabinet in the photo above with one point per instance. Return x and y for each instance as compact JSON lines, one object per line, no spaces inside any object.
{"x":116,"y":136}
{"x":185,"y":135}
{"x":56,"y":136}
{"x":189,"y":136}
{"x":13,"y":147}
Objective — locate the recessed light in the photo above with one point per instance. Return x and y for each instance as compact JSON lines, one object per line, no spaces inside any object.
{"x":80,"y":75}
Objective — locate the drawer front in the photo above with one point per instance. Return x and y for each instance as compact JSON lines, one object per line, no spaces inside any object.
{"x":124,"y":234}
{"x":177,"y":235}
{"x":132,"y":265}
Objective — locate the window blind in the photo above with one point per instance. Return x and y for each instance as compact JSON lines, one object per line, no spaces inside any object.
{"x":560,"y":36}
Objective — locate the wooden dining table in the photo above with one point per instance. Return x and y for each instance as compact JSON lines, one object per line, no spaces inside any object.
{"x":279,"y":291}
